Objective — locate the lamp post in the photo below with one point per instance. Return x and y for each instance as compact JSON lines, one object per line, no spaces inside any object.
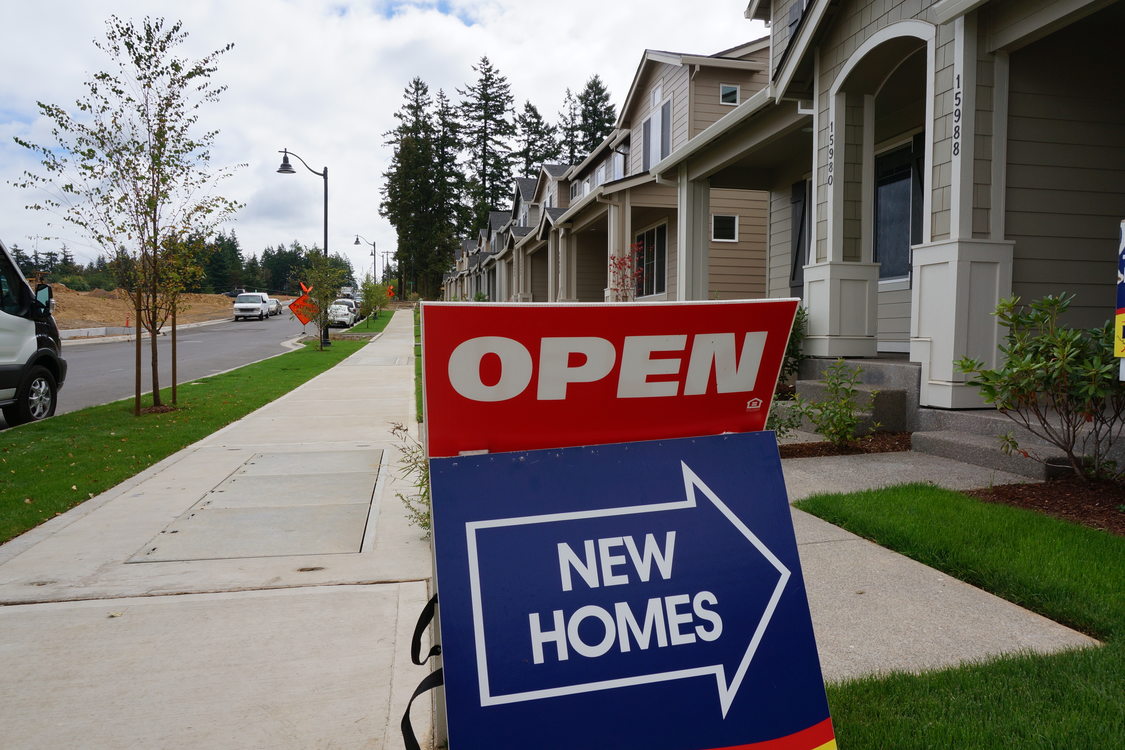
{"x":287,"y":168}
{"x":367,"y":242}
{"x":385,"y":254}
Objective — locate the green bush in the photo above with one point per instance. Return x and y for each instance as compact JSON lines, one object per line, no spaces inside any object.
{"x":1059,"y":383}
{"x":837,"y":417}
{"x":791,"y":364}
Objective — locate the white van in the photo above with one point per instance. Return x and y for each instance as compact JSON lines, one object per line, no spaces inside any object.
{"x":32,"y":369}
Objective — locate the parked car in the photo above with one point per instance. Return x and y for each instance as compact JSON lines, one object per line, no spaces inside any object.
{"x":274,"y":305}
{"x":234,"y":292}
{"x":341,"y":313}
{"x":32,"y":369}
{"x":252,"y":305}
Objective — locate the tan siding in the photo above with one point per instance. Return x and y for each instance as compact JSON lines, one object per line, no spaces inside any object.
{"x":1066,"y":168}
{"x":538,"y":263}
{"x":591,"y":272}
{"x":738,"y":269}
{"x":894,"y":316}
{"x":676,"y":86}
{"x":706,"y":107}
{"x":663,"y":196}
{"x":780,"y":237}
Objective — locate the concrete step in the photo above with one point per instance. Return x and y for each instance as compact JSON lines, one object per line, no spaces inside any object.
{"x":886,"y":406}
{"x":978,"y":450}
{"x":886,"y":375}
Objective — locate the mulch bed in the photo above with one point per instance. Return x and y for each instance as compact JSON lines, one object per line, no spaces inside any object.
{"x":880,"y":442}
{"x":1099,"y":505}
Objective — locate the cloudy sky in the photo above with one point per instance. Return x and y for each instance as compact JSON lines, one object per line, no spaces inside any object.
{"x":323,"y":79}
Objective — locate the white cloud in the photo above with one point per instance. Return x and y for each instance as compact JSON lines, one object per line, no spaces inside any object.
{"x":324,"y":79}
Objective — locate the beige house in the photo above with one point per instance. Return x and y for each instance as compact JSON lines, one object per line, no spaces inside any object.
{"x":923,"y":160}
{"x":617,"y":206}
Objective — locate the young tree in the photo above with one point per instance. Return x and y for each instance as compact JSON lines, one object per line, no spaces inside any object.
{"x":130,"y":169}
{"x":537,"y":141}
{"x":570,"y":130}
{"x":488,"y":128}
{"x":596,"y":114}
{"x":325,"y":276}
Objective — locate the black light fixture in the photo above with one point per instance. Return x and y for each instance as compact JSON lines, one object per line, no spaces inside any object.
{"x":287,"y":168}
{"x":373,"y":256}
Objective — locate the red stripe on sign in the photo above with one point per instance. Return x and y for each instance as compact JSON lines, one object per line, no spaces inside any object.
{"x":807,"y":739}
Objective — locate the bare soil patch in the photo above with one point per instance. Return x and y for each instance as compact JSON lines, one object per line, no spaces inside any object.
{"x":99,"y":307}
{"x":879,"y":442}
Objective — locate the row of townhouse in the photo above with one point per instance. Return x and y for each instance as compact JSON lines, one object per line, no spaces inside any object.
{"x":900,"y":165}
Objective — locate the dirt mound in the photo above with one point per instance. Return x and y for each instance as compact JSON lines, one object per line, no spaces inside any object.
{"x":104,"y":308}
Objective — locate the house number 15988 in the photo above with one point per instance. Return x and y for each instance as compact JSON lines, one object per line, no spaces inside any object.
{"x":957,"y":116}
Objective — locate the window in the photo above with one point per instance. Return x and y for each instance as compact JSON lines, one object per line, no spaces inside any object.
{"x":799,"y":225}
{"x":657,"y":94}
{"x":724,"y":228}
{"x":599,"y":175}
{"x":728,"y":94}
{"x":898,"y":209}
{"x":12,"y":288}
{"x":652,"y":257}
{"x":656,"y":135}
{"x":574,"y":188}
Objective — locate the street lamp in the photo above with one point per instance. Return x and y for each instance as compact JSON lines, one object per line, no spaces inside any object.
{"x":367,"y":242}
{"x":287,"y":168}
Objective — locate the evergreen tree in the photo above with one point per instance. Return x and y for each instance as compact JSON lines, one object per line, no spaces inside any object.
{"x":569,"y":129}
{"x":222,"y":268}
{"x":537,"y":141}
{"x":409,"y":190}
{"x":488,"y":129}
{"x":596,"y":114}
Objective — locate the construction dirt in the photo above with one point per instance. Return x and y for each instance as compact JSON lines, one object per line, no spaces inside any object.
{"x":101,"y":308}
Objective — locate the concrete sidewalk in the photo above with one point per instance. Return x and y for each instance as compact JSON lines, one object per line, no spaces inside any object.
{"x":256,"y":590}
{"x":259,"y":588}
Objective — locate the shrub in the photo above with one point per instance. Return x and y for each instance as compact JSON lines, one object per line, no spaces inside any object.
{"x":837,"y":417}
{"x":416,"y":469}
{"x":791,"y":364}
{"x":1059,"y":383}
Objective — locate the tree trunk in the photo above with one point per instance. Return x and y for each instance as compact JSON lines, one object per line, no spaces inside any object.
{"x":174,"y":306}
{"x":137,"y":355}
{"x":154,"y":349}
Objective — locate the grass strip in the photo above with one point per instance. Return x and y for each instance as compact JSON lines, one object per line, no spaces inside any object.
{"x":418,"y":364}
{"x":48,"y":467}
{"x":372,"y":323}
{"x":1067,"y":572}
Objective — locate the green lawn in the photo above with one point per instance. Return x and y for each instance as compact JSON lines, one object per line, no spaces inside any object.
{"x":1069,"y":573}
{"x":372,"y":324}
{"x":48,"y":467}
{"x":418,"y":364}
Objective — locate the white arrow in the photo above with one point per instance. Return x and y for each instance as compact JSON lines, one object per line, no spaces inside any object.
{"x":692,"y":485}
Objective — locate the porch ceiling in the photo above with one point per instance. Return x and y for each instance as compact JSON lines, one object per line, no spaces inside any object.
{"x":747,"y":155}
{"x":759,"y":163}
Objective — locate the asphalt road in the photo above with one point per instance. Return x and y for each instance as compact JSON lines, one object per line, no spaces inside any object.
{"x":98,"y":373}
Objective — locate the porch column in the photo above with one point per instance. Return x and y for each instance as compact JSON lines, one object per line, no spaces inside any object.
{"x":960,"y":278}
{"x":693,"y":200}
{"x":555,"y":242}
{"x":842,"y":284}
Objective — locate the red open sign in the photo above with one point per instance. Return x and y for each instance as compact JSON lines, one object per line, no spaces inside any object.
{"x":504,"y":377}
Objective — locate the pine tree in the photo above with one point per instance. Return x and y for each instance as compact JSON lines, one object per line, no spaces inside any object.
{"x":596,"y":114}
{"x":537,"y":140}
{"x":488,"y":129}
{"x":409,"y":189}
{"x":569,"y":129}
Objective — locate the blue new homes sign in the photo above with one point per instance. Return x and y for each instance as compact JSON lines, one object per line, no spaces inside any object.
{"x":640,"y":595}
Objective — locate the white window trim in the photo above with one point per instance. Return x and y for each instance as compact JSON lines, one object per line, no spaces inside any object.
{"x":737,"y":94}
{"x":718,"y":239}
